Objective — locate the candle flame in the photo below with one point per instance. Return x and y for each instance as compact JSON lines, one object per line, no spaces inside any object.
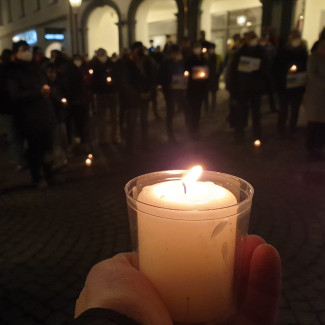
{"x":90,"y":156}
{"x":202,"y":74}
{"x":91,"y":71}
{"x":109,"y":79}
{"x":88,"y":162}
{"x":293,"y":68}
{"x":204,"y":50}
{"x":192,"y":175}
{"x":64,"y":100}
{"x":257,"y":143}
{"x":186,"y":73}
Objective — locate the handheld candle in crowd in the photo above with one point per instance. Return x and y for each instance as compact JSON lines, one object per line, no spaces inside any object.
{"x":109,"y":79}
{"x":91,"y":71}
{"x":46,"y":88}
{"x":64,"y":101}
{"x":88,"y":162}
{"x":202,"y":74}
{"x":186,"y":73}
{"x":186,"y":233}
{"x":293,"y":68}
{"x":257,"y":143}
{"x":90,"y":156}
{"x":204,"y":50}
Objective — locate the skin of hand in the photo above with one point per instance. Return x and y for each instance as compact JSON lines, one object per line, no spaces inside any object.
{"x":45,"y":91}
{"x":117,"y":284}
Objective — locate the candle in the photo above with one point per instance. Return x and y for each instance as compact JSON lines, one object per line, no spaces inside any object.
{"x":88,"y":162}
{"x":293,"y":68}
{"x":64,"y":101}
{"x":91,"y":71}
{"x":200,"y":72}
{"x":109,"y":79}
{"x":186,"y":246}
{"x":257,"y":143}
{"x":186,"y":73}
{"x":204,"y":50}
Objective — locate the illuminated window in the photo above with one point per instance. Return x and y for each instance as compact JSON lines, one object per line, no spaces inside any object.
{"x":29,"y":36}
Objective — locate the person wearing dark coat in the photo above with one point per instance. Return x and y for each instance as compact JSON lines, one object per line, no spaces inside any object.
{"x":215,"y":69}
{"x":174,"y":83}
{"x":33,"y":110}
{"x":13,"y":136}
{"x":291,"y":76}
{"x":248,"y":74}
{"x":321,"y":38}
{"x":136,"y":82}
{"x":198,"y":72}
{"x":104,"y":88}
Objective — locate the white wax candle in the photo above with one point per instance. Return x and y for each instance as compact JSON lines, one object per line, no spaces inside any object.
{"x":187,"y":247}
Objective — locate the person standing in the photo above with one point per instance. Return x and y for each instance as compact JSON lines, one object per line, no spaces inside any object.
{"x":249,"y":76}
{"x":13,"y":136}
{"x":174,"y":84}
{"x":215,"y":69}
{"x":290,"y":68}
{"x":198,"y":70}
{"x":35,"y":115}
{"x":104,"y":88}
{"x":314,"y":102}
{"x":136,"y":85}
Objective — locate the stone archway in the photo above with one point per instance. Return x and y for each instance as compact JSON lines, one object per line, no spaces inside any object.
{"x":180,"y":15}
{"x":93,"y":13}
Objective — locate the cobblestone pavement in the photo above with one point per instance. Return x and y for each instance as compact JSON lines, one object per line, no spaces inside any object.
{"x":50,"y":238}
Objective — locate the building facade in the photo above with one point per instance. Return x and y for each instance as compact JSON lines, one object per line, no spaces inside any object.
{"x":115,"y":24}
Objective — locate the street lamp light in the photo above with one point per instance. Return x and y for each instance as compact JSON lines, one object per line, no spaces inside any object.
{"x":75,"y":3}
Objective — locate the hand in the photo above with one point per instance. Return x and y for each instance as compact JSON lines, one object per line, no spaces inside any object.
{"x":145,"y":96}
{"x":117,"y":284}
{"x":45,"y":91}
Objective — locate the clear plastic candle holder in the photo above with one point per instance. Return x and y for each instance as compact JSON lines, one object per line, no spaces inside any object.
{"x":189,"y":241}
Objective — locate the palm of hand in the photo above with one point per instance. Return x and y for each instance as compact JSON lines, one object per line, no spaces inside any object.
{"x":117,"y":284}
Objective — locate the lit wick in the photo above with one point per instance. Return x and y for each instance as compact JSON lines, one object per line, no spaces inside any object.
{"x":191,"y":177}
{"x":293,"y":68}
{"x":91,"y":71}
{"x":184,"y":187}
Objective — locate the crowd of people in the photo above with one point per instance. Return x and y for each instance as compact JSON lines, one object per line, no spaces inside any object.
{"x":49,"y":102}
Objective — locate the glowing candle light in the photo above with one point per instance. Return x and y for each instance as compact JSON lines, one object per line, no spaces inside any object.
{"x":204,"y":50}
{"x":88,"y":162}
{"x":190,"y":261}
{"x":293,"y":68}
{"x":186,"y":73}
{"x":109,"y":79}
{"x":64,"y":101}
{"x":91,"y":71}
{"x":257,"y":143}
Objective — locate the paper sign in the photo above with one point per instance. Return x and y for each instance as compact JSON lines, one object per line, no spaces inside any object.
{"x":295,"y":80}
{"x":200,"y":73}
{"x":179,"y":82}
{"x":248,"y":64}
